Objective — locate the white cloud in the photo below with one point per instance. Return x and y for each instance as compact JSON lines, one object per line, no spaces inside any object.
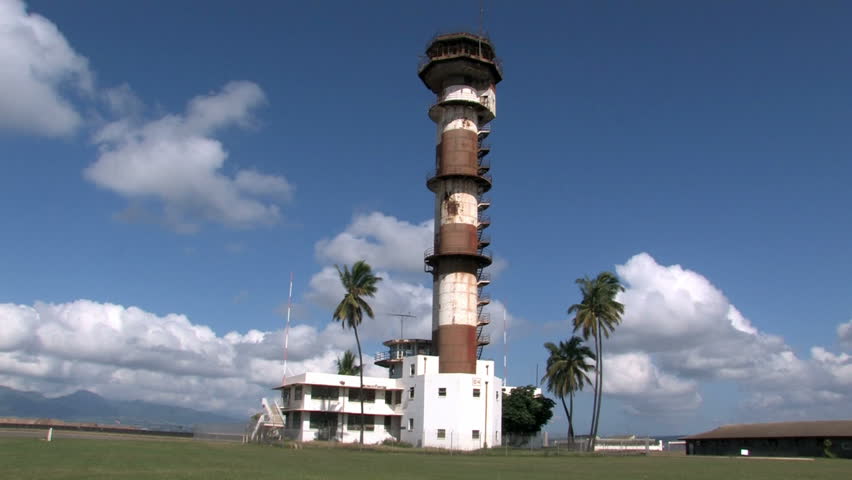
{"x":679,"y":329}
{"x":128,"y":353}
{"x":39,"y":70}
{"x":634,"y":377}
{"x":176,"y":161}
{"x":385,"y":242}
{"x":844,"y":334}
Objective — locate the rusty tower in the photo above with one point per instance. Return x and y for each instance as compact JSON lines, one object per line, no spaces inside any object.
{"x":462,"y":71}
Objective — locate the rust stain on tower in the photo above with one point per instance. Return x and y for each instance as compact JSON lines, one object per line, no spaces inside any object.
{"x":462,"y":71}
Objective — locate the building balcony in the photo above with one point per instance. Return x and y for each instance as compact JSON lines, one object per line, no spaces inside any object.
{"x":483,"y":279}
{"x":483,"y":203}
{"x":483,"y":340}
{"x":483,"y":319}
{"x":389,"y":356}
{"x":484,"y":221}
{"x":483,"y":300}
{"x":484,"y":149}
{"x":484,"y":131}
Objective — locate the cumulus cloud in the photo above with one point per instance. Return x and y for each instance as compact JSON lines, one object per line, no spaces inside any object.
{"x":385,"y":242}
{"x":39,"y":72}
{"x":679,"y":329}
{"x":634,"y":376}
{"x":844,"y":334}
{"x":176,"y":162}
{"x":129,"y":353}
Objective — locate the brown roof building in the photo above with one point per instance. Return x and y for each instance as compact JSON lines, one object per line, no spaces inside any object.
{"x":831,"y":438}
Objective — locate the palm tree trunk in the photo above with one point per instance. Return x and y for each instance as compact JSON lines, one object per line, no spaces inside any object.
{"x":361,"y":374}
{"x":571,"y":418}
{"x":567,"y":414}
{"x":591,"y":442}
{"x":599,"y":389}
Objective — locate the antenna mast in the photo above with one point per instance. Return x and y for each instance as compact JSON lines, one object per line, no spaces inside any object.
{"x":505,"y":349}
{"x":402,"y":317}
{"x":287,"y":328}
{"x":481,"y":24}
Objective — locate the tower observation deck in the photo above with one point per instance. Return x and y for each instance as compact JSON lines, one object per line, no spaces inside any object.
{"x":462,"y":71}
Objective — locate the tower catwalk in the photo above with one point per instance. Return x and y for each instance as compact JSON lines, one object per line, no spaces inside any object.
{"x":461,"y":69}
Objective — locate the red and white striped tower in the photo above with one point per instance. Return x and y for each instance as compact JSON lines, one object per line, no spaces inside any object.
{"x":461,"y":69}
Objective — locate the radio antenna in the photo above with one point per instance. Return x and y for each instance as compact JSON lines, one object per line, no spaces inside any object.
{"x":287,"y":328}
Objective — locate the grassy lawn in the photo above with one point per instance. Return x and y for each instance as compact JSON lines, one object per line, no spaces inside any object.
{"x":129,"y":459}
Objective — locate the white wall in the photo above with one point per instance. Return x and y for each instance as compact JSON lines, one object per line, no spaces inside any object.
{"x":458,"y":412}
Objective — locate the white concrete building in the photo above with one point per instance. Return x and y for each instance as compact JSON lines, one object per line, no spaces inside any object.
{"x":422,"y":407}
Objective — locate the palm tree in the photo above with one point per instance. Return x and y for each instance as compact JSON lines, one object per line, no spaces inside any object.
{"x":566,"y":373}
{"x":346,"y":365}
{"x":357,"y":283}
{"x":597,"y":315}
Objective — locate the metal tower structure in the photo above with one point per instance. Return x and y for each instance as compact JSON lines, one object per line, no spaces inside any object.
{"x":462,"y":71}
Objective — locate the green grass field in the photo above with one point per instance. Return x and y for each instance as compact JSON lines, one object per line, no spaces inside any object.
{"x":146,"y":459}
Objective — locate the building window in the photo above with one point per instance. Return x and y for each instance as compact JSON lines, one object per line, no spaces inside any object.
{"x":475,"y":434}
{"x":411,"y":370}
{"x":322,"y":392}
{"x":476,"y":393}
{"x":410,"y":424}
{"x":294,"y":420}
{"x":442,"y":433}
{"x":369,"y":395}
{"x":387,"y":423}
{"x":285,"y":396}
{"x":442,"y":392}
{"x":297,"y":393}
{"x":411,"y":392}
{"x":389,"y":397}
{"x":354,"y":422}
{"x":322,"y":420}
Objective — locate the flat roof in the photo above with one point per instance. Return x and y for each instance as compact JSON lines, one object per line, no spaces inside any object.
{"x":334,"y":380}
{"x":818,"y":428}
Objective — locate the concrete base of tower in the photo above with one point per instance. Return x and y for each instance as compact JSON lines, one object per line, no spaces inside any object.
{"x":455,"y":346}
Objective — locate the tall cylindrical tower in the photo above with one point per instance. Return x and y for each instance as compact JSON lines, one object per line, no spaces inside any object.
{"x":461,"y":69}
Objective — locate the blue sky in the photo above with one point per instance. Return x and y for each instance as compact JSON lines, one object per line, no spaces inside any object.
{"x":184,"y":158}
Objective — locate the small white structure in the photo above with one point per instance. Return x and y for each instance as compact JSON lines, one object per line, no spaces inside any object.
{"x":424,"y":408}
{"x":630,"y":443}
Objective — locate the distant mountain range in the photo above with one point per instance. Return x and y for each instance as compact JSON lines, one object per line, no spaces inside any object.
{"x":85,"y":406}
